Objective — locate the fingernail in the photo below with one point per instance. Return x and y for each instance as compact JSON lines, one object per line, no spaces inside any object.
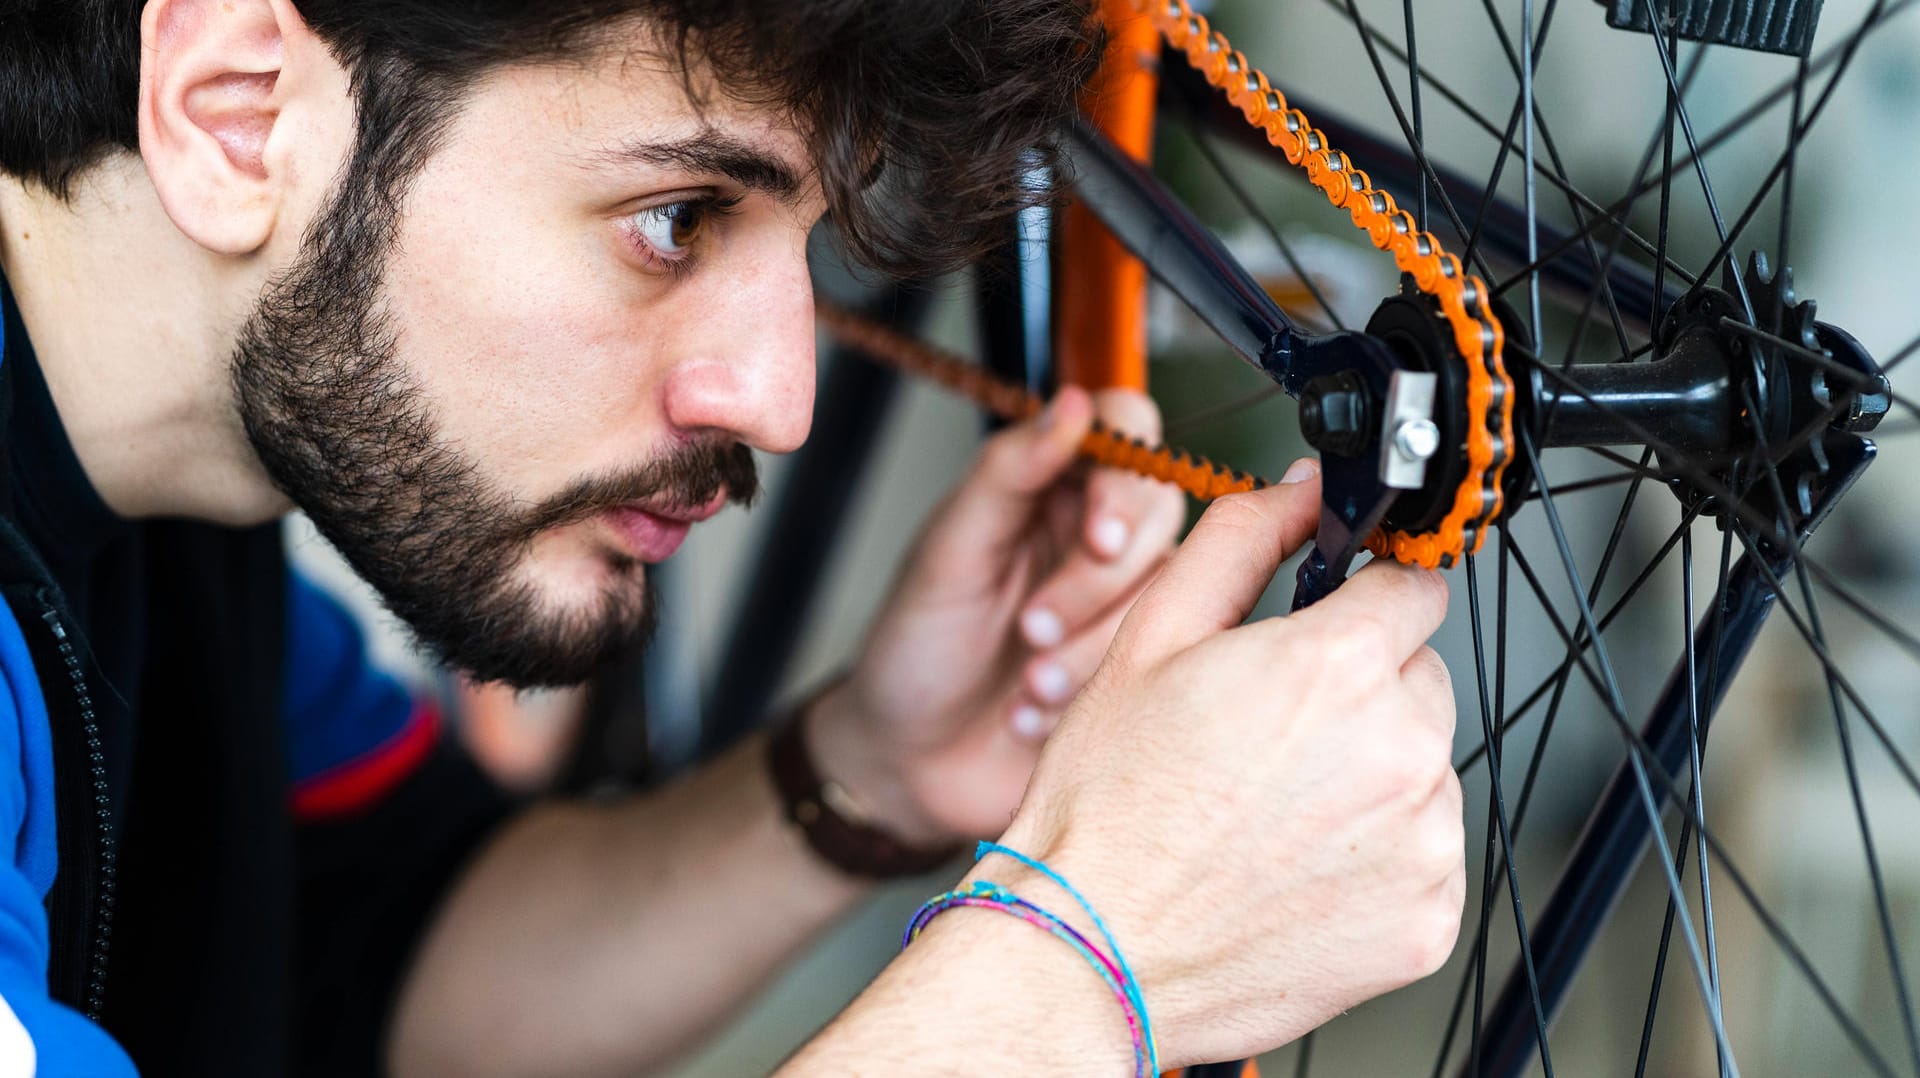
{"x":1050,"y":414}
{"x":1110,"y":535}
{"x":1051,"y":682}
{"x":1028,"y":721}
{"x":1042,"y":627}
{"x":1301,"y":470}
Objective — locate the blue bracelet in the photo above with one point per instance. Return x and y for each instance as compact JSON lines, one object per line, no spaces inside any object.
{"x":989,"y":895}
{"x":1131,"y":983}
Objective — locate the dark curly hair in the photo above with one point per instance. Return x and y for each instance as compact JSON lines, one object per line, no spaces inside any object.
{"x":924,"y":114}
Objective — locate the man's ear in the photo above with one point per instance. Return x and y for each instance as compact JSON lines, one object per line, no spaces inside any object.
{"x":214,"y":81}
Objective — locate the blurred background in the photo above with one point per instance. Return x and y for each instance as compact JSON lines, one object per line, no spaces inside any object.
{"x":1777,"y":789}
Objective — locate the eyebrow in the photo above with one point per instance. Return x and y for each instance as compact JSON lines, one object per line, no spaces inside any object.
{"x":715,"y":153}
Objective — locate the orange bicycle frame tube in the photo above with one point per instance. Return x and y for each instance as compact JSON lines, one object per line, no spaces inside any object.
{"x":1100,"y":312}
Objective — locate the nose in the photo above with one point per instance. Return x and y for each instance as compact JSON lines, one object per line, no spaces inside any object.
{"x":746,"y":364}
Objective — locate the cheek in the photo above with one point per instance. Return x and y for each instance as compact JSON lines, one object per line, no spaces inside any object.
{"x":536,"y":370}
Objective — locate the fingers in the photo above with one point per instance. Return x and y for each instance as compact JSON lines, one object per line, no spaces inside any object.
{"x":1126,"y":525}
{"x":1032,"y":721}
{"x":1089,"y":582}
{"x":1425,"y":675}
{"x":1211,"y":583}
{"x":1117,"y":502}
{"x":1015,"y":471}
{"x":1054,"y":676}
{"x":1401,"y":605}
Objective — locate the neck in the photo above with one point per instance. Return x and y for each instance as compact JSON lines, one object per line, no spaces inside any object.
{"x":134,"y":326}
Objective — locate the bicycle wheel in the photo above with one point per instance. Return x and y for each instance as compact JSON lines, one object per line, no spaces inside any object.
{"x":1617,"y":183}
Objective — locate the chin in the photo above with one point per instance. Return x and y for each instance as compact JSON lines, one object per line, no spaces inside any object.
{"x":566,"y":624}
{"x":573,"y":570}
{"x":583,"y":588}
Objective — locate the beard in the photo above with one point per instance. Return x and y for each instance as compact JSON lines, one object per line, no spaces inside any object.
{"x":348,"y":437}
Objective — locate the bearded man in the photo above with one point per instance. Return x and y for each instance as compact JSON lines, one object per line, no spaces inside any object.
{"x":504,"y":294}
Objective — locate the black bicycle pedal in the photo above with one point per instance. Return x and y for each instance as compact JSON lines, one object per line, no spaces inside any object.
{"x":1784,"y":26}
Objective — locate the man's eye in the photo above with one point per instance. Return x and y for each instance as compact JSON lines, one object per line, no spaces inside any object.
{"x":672,"y":228}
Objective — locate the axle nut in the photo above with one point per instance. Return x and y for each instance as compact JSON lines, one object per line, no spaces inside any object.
{"x":1334,"y":412}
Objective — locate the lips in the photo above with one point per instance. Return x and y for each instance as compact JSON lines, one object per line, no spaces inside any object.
{"x":653,"y":534}
{"x":683,"y":514}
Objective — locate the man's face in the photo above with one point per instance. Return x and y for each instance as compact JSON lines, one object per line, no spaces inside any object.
{"x":502,"y":408}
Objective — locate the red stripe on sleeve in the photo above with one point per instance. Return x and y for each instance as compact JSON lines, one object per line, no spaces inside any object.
{"x":354,"y":786}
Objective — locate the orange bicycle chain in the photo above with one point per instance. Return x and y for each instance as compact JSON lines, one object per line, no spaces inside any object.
{"x":1462,"y":297}
{"x":1196,"y":475}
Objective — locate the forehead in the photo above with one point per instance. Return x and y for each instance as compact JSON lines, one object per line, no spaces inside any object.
{"x":630,"y":105}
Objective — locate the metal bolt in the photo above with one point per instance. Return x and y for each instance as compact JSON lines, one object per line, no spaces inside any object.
{"x":1417,"y":439}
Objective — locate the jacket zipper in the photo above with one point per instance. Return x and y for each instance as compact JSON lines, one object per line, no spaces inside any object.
{"x":101,"y":914}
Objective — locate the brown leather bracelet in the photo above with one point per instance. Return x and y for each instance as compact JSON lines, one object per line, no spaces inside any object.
{"x":852,"y":847}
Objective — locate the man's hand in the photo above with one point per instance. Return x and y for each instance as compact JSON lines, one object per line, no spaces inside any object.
{"x":1266,"y":814}
{"x":1003,"y":612}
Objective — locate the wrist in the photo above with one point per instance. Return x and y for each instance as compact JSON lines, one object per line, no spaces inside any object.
{"x":839,"y":829}
{"x":875,"y":787}
{"x":980,"y":992}
{"x":1110,"y":878}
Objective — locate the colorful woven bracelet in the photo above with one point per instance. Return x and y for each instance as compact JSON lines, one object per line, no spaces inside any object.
{"x":983,"y":894}
{"x":1127,"y":979}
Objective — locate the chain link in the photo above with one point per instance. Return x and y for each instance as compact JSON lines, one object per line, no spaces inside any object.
{"x":1196,"y":475}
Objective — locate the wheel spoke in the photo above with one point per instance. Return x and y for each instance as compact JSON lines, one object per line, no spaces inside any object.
{"x":1665,"y":135}
{"x":1697,"y":751}
{"x":1246,"y":200}
{"x":1406,"y":130}
{"x":1207,"y":417}
{"x":1651,"y":767}
{"x":1413,"y":97}
{"x":1604,"y":215}
{"x":1523,"y":68}
{"x":1696,"y":809}
{"x":1616,"y":707}
{"x":1808,"y":629}
{"x":1896,"y":967}
{"x":1831,"y":668}
{"x":1532,"y":206}
{"x":1784,"y":246}
{"x":1499,"y":801}
{"x":1679,"y":110}
{"x":1732,"y":128}
{"x":1898,"y":634}
{"x":1555,"y":682}
{"x":1597,"y":482}
{"x":1666,"y":943}
{"x":1481,"y":936}
{"x":1906,"y":351}
{"x":1476,"y":974}
{"x":1876,"y":16}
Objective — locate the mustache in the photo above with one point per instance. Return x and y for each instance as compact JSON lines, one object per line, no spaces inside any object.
{"x":686,"y":478}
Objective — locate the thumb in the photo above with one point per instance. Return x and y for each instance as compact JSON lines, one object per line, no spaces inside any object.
{"x":1016,"y":468}
{"x":1212,"y":582}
